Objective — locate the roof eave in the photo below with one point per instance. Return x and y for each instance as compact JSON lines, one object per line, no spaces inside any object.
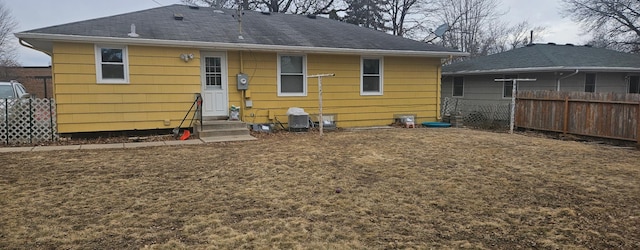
{"x":540,"y":70}
{"x":235,"y":46}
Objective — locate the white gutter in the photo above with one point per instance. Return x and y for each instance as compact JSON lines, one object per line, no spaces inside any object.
{"x":565,"y":77}
{"x":541,"y":69}
{"x":25,"y":44}
{"x":234,"y":46}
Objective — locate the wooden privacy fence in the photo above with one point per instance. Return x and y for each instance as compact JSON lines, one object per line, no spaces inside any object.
{"x":604,"y":115}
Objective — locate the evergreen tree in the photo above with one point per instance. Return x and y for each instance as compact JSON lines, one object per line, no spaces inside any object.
{"x":366,"y":13}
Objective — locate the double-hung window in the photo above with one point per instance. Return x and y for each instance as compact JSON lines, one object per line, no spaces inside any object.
{"x":590,"y":83}
{"x":458,"y":86}
{"x":371,"y":76}
{"x":292,"y":71}
{"x":112,"y":64}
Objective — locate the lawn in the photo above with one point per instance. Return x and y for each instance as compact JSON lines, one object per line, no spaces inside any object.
{"x":377,"y":189}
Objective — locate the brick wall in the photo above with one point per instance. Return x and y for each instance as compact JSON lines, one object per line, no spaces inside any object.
{"x":29,"y":77}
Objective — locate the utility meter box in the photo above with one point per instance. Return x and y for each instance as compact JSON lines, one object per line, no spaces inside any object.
{"x":243,"y":82}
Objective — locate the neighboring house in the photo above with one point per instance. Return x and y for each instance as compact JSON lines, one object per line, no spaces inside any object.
{"x":110,"y":76}
{"x":32,"y":77}
{"x":555,"y":67}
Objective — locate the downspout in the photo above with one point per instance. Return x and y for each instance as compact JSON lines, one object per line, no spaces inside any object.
{"x":243,"y":92}
{"x":565,"y":77}
{"x":438,"y":97}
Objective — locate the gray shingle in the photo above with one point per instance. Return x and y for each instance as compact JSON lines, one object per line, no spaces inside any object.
{"x":207,"y":25}
{"x":537,"y":57}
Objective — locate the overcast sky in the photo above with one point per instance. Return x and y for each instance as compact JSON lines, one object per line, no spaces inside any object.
{"x":32,"y":14}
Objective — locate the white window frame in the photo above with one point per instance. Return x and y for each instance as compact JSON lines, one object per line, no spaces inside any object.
{"x":125,"y":63}
{"x":453,"y":86}
{"x":304,"y":75}
{"x":381,"y":75}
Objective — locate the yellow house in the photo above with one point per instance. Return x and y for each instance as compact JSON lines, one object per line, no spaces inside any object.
{"x":143,"y":70}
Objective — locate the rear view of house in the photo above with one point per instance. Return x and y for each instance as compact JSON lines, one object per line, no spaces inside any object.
{"x":142,"y":70}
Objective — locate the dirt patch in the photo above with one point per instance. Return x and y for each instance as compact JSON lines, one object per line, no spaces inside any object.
{"x":399,"y":188}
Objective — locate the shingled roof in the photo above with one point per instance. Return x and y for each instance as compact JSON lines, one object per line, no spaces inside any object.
{"x":547,"y":58}
{"x":220,"y":29}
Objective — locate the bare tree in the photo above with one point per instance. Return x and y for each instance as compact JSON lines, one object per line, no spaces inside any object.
{"x":615,"y":23}
{"x":7,"y":47}
{"x":400,"y":11}
{"x":468,"y":21}
{"x":212,"y":3}
{"x":501,"y":37}
{"x":316,"y":7}
{"x":282,"y":6}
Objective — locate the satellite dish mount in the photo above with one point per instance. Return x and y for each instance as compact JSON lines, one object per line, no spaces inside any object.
{"x":439,"y":32}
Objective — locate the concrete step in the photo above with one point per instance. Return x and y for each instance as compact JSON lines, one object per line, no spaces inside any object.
{"x":215,"y":118}
{"x":219,"y":124}
{"x":228,"y":138}
{"x":223,"y":132}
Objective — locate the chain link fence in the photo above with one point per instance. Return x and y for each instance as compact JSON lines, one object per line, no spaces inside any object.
{"x":494,"y":116}
{"x":27,"y":121}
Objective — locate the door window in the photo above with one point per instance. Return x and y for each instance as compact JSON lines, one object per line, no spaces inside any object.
{"x":213,"y":72}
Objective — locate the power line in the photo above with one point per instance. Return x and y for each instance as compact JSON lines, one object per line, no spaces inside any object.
{"x":157,"y":3}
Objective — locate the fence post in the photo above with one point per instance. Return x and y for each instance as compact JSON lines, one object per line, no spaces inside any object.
{"x":638,"y":124}
{"x":565,"y":126}
{"x":51,"y":117}
{"x":6,"y":116}
{"x":31,"y":113}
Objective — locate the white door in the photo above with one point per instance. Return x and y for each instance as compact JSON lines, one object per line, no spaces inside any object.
{"x":215,"y":95}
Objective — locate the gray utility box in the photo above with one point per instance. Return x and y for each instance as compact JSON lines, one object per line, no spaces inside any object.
{"x":243,"y":82}
{"x":298,"y":123}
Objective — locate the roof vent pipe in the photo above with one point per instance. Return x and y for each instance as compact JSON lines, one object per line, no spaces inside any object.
{"x":133,"y":31}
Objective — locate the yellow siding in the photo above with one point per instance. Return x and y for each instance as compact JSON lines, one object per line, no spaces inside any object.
{"x":410,"y":87}
{"x":161,"y":88}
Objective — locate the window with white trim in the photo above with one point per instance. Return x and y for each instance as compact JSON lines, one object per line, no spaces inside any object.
{"x":292,"y":71}
{"x":371,"y":76}
{"x":458,"y":86}
{"x":112,"y":64}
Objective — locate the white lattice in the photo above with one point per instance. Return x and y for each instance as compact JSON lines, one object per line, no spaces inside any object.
{"x":27,"y":121}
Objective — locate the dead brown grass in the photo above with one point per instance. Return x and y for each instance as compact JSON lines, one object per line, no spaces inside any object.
{"x":400,"y":188}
